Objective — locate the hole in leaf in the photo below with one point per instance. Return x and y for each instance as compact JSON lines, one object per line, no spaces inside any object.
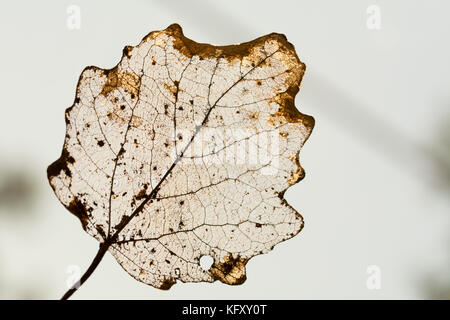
{"x":206,"y":262}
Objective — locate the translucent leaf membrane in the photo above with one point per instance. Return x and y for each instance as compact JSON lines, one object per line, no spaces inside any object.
{"x":184,"y":151}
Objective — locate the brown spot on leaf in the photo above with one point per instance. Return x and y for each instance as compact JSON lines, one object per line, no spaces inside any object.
{"x":172,"y":88}
{"x":287,"y":110}
{"x":141,"y":194}
{"x":136,"y":121}
{"x":61,"y":164}
{"x":127,"y":51}
{"x":79,"y":210}
{"x":167,"y":283}
{"x":231,"y":271}
{"x":130,"y":82}
{"x":299,"y":173}
{"x":190,"y":48}
{"x":113,"y":116}
{"x":254,"y":115}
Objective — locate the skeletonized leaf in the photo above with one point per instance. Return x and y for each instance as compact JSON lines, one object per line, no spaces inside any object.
{"x":185,"y":150}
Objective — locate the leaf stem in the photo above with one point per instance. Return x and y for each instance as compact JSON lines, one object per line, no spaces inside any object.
{"x":98,"y":257}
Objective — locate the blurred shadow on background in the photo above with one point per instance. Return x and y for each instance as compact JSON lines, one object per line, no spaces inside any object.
{"x":436,"y":285}
{"x":429,"y":163}
{"x":18,"y":196}
{"x":442,"y":165}
{"x":18,"y":190}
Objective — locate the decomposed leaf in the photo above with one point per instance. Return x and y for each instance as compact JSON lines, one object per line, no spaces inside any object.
{"x":184,"y":150}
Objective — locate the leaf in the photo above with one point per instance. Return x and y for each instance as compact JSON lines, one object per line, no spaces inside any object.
{"x":185,"y":150}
